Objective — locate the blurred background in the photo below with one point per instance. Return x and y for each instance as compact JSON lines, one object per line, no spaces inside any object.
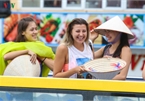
{"x":53,"y":17}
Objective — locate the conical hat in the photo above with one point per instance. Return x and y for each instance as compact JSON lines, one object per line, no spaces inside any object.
{"x":105,"y":68}
{"x":114,"y":24}
{"x":22,"y":66}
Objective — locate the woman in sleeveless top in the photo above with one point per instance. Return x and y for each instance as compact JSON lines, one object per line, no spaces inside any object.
{"x":117,"y":35}
{"x":74,"y":51}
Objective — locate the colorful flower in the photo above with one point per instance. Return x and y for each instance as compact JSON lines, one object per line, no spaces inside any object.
{"x":116,"y":65}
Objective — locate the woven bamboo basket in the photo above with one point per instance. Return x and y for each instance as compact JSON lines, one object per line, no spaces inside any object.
{"x":22,"y":66}
{"x":105,"y":68}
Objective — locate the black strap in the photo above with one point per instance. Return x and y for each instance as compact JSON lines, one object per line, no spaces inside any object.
{"x":91,"y":46}
{"x":108,"y":45}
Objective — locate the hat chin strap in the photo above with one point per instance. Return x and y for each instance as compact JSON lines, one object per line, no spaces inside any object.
{"x":116,"y":39}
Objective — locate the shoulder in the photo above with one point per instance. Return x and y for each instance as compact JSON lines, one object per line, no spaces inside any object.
{"x":62,"y":47}
{"x":126,"y":49}
{"x":61,"y":51}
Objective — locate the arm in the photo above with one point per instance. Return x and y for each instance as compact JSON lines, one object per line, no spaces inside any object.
{"x":99,"y":52}
{"x":59,"y":62}
{"x":14,"y":54}
{"x":126,"y":55}
{"x":143,"y":73}
{"x":93,"y":35}
{"x":48,"y":62}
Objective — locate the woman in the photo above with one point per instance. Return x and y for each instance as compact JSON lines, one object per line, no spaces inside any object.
{"x":74,"y":52}
{"x":143,"y":73}
{"x":27,"y":43}
{"x":117,"y":34}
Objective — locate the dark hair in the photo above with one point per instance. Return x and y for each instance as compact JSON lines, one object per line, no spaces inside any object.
{"x":68,"y":39}
{"x":22,"y":26}
{"x":123,"y":42}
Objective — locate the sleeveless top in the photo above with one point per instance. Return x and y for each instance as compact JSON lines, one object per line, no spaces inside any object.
{"x":77,"y":57}
{"x":106,"y":51}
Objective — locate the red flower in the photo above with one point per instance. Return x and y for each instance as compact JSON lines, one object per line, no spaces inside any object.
{"x":94,"y":24}
{"x":49,"y":38}
{"x":128,"y":21}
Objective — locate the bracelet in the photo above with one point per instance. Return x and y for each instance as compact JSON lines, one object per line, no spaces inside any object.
{"x":43,"y":60}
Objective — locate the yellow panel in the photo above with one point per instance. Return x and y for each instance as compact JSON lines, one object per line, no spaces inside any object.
{"x":74,"y":84}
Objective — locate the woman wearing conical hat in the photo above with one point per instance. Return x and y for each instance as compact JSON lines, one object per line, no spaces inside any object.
{"x":117,"y":35}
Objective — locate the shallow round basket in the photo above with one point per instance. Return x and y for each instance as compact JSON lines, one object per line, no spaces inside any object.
{"x":105,"y":68}
{"x":22,"y":66}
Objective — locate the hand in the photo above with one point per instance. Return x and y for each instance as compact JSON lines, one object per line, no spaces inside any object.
{"x":80,"y":69}
{"x":33,"y":57}
{"x":108,"y":57}
{"x":93,"y":35}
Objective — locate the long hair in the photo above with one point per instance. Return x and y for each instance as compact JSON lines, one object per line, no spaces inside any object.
{"x":123,"y":42}
{"x":22,"y":26}
{"x":68,"y":39}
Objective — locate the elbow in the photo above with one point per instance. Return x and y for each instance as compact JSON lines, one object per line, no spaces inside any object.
{"x":58,"y":75}
{"x":123,"y":78}
{"x":143,"y":75}
{"x":55,"y":75}
{"x":120,"y":77}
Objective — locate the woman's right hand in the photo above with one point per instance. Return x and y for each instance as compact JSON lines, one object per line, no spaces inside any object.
{"x":33,"y":57}
{"x":80,"y":69}
{"x":93,"y":35}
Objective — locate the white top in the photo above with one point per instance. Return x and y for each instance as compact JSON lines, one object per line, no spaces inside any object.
{"x":77,"y":57}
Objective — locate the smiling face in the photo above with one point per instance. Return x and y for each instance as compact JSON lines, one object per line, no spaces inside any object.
{"x":27,"y":30}
{"x":31,"y":32}
{"x":111,"y":35}
{"x":79,"y":33}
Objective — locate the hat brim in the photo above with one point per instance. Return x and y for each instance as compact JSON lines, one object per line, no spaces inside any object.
{"x":102,"y":32}
{"x":105,"y":68}
{"x":114,"y":24}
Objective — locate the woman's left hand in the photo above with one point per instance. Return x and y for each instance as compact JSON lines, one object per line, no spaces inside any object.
{"x":33,"y":57}
{"x":106,"y":56}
